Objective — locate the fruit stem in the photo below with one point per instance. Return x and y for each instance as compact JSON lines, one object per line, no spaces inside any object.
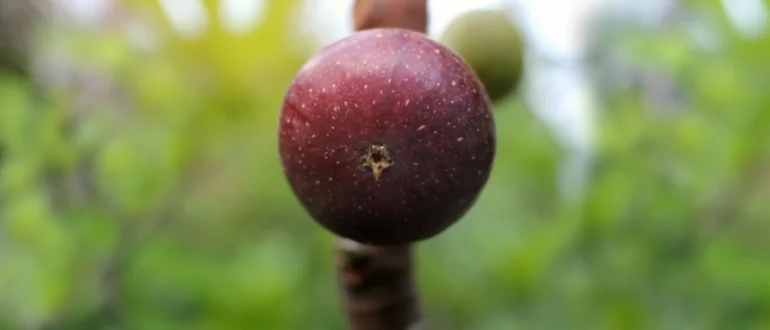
{"x":378,"y":287}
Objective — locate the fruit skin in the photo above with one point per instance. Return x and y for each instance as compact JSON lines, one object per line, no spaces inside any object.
{"x":491,"y":44}
{"x":398,"y":89}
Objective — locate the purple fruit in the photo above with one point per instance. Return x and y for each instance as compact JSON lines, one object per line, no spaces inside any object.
{"x":386,"y":137}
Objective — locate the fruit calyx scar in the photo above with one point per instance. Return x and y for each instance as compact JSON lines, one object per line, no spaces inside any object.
{"x":377,"y":158}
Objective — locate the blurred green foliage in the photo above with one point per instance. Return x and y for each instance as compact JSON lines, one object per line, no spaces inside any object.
{"x":150,"y":196}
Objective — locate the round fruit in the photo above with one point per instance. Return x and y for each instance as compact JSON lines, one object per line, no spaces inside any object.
{"x":386,"y":137}
{"x":491,"y":44}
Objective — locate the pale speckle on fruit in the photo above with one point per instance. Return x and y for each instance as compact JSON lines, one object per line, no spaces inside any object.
{"x":421,"y":127}
{"x":460,"y":139}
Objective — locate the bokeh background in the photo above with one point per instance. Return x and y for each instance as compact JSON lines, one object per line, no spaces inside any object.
{"x":140,"y":186}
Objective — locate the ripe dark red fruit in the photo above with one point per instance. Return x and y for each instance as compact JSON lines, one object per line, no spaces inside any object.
{"x":386,"y":137}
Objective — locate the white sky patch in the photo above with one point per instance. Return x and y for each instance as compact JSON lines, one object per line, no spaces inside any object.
{"x":142,"y":35}
{"x":325,"y":20}
{"x":749,"y":17}
{"x":559,"y":28}
{"x":241,"y":16}
{"x":187,"y":17}
{"x":84,"y":11}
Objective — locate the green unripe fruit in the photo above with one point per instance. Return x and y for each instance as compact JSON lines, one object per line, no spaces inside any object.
{"x":492,"y":45}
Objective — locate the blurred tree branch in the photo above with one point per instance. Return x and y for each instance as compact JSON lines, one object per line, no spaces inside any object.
{"x":19,"y":21}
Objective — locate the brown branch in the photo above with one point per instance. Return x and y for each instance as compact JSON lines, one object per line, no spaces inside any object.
{"x":378,"y":287}
{"x":407,"y":14}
